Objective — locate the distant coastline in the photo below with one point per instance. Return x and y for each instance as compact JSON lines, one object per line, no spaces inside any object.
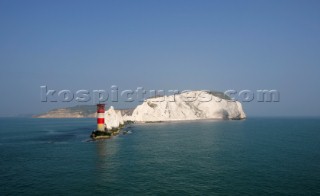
{"x":79,"y":111}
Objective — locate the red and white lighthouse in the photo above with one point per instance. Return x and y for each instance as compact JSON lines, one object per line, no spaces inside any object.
{"x":100,"y":117}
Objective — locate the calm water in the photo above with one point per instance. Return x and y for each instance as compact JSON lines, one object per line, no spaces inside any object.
{"x":255,"y":156}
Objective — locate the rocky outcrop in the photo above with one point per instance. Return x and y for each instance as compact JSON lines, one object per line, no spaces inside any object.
{"x":191,"y":105}
{"x":113,"y":118}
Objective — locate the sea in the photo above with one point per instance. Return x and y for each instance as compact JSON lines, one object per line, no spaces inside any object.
{"x":256,"y":156}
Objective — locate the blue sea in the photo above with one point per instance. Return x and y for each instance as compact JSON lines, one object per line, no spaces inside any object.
{"x":257,"y":156}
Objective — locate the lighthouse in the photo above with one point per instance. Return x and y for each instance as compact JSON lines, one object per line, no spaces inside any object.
{"x":100,"y":117}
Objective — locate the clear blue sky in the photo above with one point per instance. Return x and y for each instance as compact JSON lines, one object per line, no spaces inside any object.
{"x":174,"y":44}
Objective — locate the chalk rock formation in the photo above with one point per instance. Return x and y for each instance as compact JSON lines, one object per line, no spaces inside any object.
{"x":192,"y":105}
{"x":113,"y":118}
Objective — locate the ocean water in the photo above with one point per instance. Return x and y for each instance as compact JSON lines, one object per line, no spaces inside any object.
{"x":257,"y":156}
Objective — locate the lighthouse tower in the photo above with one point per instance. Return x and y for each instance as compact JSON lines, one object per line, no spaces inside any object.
{"x":100,"y":117}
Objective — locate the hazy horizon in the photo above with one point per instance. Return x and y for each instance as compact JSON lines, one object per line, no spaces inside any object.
{"x":184,"y":45}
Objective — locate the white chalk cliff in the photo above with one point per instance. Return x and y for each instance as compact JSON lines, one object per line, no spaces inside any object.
{"x":191,"y":105}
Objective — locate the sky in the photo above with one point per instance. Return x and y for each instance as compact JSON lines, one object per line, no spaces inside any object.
{"x":167,"y":44}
